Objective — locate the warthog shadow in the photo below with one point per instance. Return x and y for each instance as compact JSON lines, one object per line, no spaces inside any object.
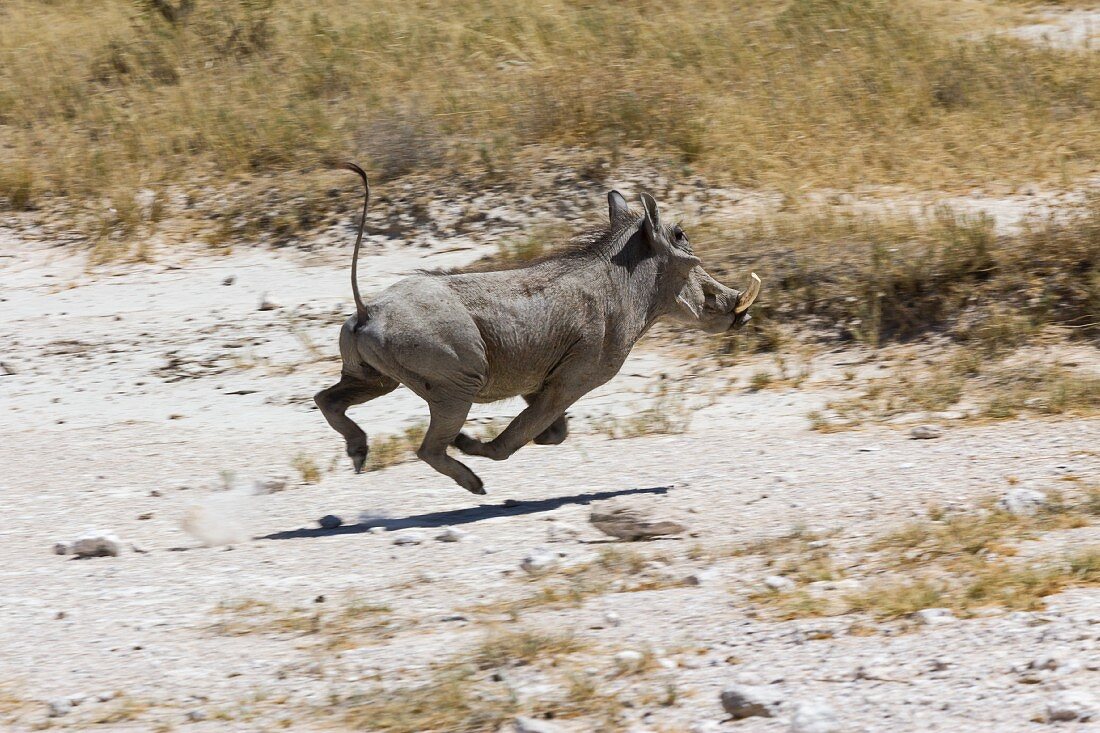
{"x":462,"y":516}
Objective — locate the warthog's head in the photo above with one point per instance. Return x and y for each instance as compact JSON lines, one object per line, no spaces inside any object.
{"x":688,"y":293}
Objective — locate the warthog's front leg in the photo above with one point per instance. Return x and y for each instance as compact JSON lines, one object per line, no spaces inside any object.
{"x":544,"y":412}
{"x":447,"y":419}
{"x":334,"y":402}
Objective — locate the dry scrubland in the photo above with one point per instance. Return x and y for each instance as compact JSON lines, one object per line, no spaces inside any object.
{"x":843,"y":150}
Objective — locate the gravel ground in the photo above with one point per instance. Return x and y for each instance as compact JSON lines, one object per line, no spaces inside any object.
{"x":133,"y":397}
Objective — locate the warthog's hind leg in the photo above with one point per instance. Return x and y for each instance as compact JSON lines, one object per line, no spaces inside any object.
{"x":334,"y":402}
{"x":448,"y":417}
{"x":540,"y":420}
{"x":556,"y":433}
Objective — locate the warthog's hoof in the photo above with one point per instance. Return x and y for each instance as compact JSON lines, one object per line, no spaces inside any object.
{"x":469,"y":446}
{"x":473,"y":484}
{"x":358,"y":458}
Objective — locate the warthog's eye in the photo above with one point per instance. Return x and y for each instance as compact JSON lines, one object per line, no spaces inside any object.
{"x":679,"y":234}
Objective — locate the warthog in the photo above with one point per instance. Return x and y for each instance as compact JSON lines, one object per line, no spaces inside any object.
{"x":549,"y":331}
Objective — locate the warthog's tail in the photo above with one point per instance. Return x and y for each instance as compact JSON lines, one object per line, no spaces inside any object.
{"x":361,"y":314}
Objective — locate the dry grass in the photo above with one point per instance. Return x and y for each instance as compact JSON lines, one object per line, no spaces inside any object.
{"x":995,"y":389}
{"x":389,"y":450}
{"x":667,"y":413}
{"x":867,"y":278}
{"x":335,"y":624}
{"x":959,"y":561}
{"x":100,"y":102}
{"x":307,"y":468}
{"x":614,"y":571}
{"x":514,"y":648}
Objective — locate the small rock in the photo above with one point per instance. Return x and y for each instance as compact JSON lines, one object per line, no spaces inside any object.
{"x":196,"y":716}
{"x":533,"y":725}
{"x":631,"y":525}
{"x":409,"y":538}
{"x":376,"y":530}
{"x":612,"y":618}
{"x":270,"y":485}
{"x":229,"y":280}
{"x":814,"y":717}
{"x":707,"y":726}
{"x":330,"y":521}
{"x":872,"y":448}
{"x":539,"y":561}
{"x":629,"y":660}
{"x":934,"y":616}
{"x":925,"y":432}
{"x":92,"y":544}
{"x":267,"y":304}
{"x":59,"y":707}
{"x":452,"y":534}
{"x":747,"y":701}
{"x":1072,"y":705}
{"x":1022,"y":501}
{"x":778,"y":583}
{"x":701,"y":577}
{"x":559,"y":532}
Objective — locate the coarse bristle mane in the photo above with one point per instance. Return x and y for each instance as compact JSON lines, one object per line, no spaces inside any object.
{"x":595,"y":242}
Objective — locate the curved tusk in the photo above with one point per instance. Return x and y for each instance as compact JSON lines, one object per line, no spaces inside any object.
{"x":749,"y":296}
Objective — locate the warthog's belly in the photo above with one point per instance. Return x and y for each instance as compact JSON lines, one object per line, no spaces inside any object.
{"x":502,"y":388}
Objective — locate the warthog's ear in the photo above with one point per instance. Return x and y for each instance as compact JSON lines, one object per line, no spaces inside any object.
{"x":652,"y":216}
{"x":617,"y":210}
{"x":657,"y":238}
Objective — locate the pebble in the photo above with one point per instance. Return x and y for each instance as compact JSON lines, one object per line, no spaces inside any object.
{"x":196,"y":716}
{"x":533,"y":725}
{"x":409,"y":538}
{"x":1070,"y":705}
{"x":376,"y":530}
{"x":748,"y":701}
{"x":631,"y":525}
{"x":814,"y":716}
{"x":1023,"y":502}
{"x":934,"y":616}
{"x":268,"y":304}
{"x":539,"y":561}
{"x":925,"y":432}
{"x":778,"y":583}
{"x":452,"y":534}
{"x":59,"y":707}
{"x":330,"y":521}
{"x":270,"y":485}
{"x":628,"y":660}
{"x":612,"y":618}
{"x":701,"y":577}
{"x":92,"y":544}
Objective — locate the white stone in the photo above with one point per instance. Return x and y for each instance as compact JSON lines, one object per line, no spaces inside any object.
{"x":91,"y":544}
{"x":814,"y":716}
{"x":925,"y":432}
{"x":408,"y":538}
{"x":533,"y":725}
{"x":539,"y":561}
{"x":559,"y":532}
{"x":747,"y":701}
{"x":267,"y":303}
{"x":778,"y":583}
{"x":628,"y":659}
{"x":376,"y":530}
{"x":1022,"y":501}
{"x":270,"y":485}
{"x":452,"y":534}
{"x":59,"y":707}
{"x":1072,"y":705}
{"x":934,"y":616}
{"x":612,"y":618}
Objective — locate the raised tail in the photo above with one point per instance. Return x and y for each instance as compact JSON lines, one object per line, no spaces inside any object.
{"x":361,"y":314}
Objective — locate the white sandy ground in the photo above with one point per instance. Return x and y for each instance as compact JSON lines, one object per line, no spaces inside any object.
{"x":160,"y":377}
